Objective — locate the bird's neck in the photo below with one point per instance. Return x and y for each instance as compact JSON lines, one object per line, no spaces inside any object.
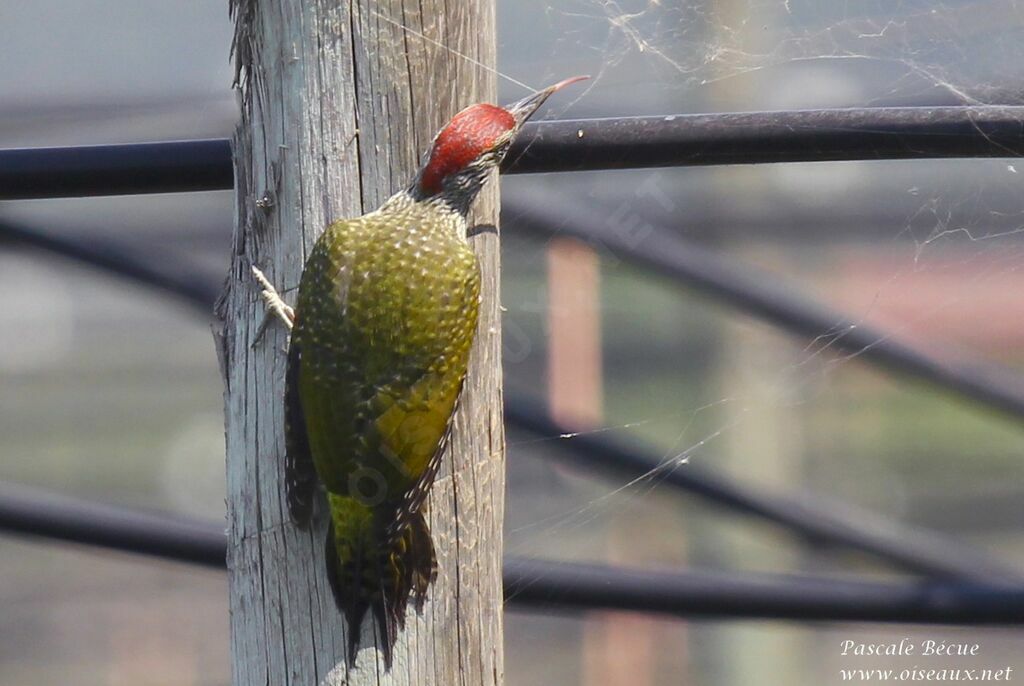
{"x":430,"y":214}
{"x":457,"y":191}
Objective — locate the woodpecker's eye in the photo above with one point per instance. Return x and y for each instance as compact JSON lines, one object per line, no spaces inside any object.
{"x":473,"y":132}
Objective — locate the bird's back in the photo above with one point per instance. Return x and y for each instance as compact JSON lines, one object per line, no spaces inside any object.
{"x":387,"y":311}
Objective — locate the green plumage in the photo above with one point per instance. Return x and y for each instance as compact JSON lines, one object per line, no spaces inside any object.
{"x":386,"y":314}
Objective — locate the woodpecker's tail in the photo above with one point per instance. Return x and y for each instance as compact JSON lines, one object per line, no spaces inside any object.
{"x":370,"y":570}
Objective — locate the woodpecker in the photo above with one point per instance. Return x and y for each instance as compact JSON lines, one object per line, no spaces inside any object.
{"x":386,"y":315}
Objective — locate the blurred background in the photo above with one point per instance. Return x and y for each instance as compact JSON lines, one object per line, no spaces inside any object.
{"x":112,"y":393}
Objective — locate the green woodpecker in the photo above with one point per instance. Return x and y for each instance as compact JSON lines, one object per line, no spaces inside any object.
{"x":386,"y":314}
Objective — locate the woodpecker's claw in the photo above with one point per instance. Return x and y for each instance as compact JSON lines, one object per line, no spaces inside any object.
{"x":275,"y":304}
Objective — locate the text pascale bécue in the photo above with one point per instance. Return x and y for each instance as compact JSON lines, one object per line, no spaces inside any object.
{"x":906,"y":646}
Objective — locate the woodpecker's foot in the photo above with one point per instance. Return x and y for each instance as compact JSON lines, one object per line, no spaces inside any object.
{"x":275,"y":304}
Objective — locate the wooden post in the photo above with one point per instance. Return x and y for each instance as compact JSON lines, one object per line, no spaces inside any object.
{"x":339,"y":99}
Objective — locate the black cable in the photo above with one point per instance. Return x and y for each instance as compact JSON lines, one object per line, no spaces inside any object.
{"x":863,"y":133}
{"x":760,"y":295}
{"x":168,"y":277}
{"x":165,"y":167}
{"x":550,"y":585}
{"x":568,"y":145}
{"x":33,"y":512}
{"x":820,"y":522}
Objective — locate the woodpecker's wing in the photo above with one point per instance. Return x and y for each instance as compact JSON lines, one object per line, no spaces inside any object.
{"x":412,"y":500}
{"x":299,"y":471}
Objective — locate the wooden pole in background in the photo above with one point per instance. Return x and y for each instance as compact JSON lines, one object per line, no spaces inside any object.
{"x":339,"y":101}
{"x":575,"y":378}
{"x":617,"y":648}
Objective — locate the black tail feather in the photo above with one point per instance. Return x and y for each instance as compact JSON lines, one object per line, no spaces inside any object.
{"x":382,"y":578}
{"x":351,"y":604}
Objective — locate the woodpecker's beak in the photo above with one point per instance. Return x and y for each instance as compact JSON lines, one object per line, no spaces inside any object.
{"x":524,"y":109}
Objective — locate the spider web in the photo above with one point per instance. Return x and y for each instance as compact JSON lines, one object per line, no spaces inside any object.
{"x":897,"y":50}
{"x":928,"y":253}
{"x":953,"y":223}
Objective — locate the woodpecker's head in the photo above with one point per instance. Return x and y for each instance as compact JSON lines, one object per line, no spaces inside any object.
{"x":471,"y":144}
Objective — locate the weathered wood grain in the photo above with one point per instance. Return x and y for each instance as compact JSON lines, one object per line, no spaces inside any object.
{"x":339,"y":100}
